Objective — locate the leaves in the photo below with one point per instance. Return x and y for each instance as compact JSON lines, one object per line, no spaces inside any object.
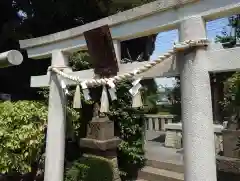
{"x":129,"y":127}
{"x":231,"y":101}
{"x":90,"y":168}
{"x":21,"y":135}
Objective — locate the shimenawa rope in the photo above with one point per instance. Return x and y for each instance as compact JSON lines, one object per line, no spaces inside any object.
{"x":136,"y":96}
{"x":105,"y":81}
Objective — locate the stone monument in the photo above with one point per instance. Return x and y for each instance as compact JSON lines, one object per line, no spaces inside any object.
{"x":100,"y":140}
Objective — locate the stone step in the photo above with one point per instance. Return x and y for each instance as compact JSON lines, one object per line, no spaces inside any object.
{"x":166,"y":165}
{"x":155,"y":174}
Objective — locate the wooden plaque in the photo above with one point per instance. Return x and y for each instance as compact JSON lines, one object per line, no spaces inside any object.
{"x":101,"y":50}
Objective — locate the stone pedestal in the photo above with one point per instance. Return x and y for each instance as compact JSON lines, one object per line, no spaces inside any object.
{"x":173,"y":135}
{"x":100,"y":141}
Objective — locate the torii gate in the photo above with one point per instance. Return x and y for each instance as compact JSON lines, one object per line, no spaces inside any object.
{"x":189,"y":17}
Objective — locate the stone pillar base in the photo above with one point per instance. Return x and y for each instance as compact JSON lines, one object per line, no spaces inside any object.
{"x":101,"y":145}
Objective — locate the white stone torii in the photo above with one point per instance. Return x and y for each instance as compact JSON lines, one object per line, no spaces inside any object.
{"x":189,"y":17}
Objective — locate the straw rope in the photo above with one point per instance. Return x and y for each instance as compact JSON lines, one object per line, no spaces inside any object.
{"x":104,"y":81}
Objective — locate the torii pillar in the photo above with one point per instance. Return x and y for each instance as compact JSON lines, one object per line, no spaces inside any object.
{"x":198,"y":136}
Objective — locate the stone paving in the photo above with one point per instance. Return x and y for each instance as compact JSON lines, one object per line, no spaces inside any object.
{"x":155,"y":149}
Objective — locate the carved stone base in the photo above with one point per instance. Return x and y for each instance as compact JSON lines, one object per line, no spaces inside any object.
{"x":102,"y":145}
{"x":100,"y":141}
{"x":100,"y":129}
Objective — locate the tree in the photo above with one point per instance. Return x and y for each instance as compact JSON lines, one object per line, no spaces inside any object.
{"x":231,"y":101}
{"x":41,"y":17}
{"x":219,"y":81}
{"x":234,"y":34}
{"x":34,"y":18}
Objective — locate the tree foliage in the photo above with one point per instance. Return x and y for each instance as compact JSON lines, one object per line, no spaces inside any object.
{"x":42,"y":17}
{"x":230,"y":36}
{"x":231,"y":82}
{"x":21,"y":135}
{"x":32,"y":18}
{"x":129,"y":127}
{"x":231,"y":101}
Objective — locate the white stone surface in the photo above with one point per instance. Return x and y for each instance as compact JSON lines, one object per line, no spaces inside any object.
{"x":224,"y":60}
{"x":197,"y":118}
{"x":10,"y":58}
{"x":55,"y":148}
{"x":178,"y":126}
{"x":174,"y":136}
{"x":157,"y":122}
{"x":173,"y":139}
{"x":173,"y":126}
{"x":220,"y":60}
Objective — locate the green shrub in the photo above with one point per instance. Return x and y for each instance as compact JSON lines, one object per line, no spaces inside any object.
{"x":231,"y":101}
{"x":129,"y":127}
{"x":90,"y":168}
{"x":21,"y":134}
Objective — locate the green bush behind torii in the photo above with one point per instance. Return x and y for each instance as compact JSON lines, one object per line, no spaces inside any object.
{"x":21,"y":135}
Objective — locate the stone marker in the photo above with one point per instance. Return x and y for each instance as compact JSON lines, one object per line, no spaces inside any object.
{"x":100,"y":140}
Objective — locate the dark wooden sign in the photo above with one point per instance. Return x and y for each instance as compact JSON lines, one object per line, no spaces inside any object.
{"x":101,"y":50}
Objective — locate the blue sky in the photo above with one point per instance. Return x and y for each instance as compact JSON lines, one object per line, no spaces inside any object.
{"x":165,"y":41}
